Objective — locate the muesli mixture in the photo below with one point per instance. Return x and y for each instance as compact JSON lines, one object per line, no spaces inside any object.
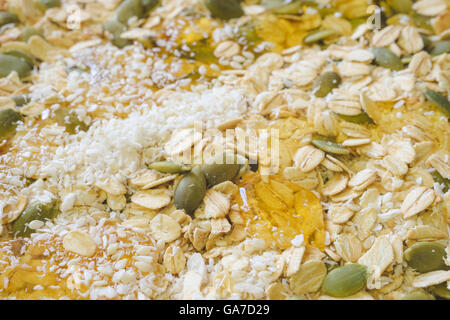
{"x":100,"y":101}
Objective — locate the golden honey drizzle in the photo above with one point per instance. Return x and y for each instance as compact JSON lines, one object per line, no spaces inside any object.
{"x":277,"y":211}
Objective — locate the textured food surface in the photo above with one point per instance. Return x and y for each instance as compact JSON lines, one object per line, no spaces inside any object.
{"x":104,"y":104}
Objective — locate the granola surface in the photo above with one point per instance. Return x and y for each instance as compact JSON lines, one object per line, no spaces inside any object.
{"x":102,"y":100}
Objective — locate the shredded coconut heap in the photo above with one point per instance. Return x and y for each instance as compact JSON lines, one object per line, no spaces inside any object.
{"x":115,"y":146}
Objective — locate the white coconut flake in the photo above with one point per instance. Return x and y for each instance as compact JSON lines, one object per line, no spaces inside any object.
{"x":114,"y":147}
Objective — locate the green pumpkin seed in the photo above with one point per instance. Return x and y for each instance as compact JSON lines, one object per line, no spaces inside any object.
{"x":357,"y":21}
{"x":204,"y":54}
{"x":345,"y":281}
{"x":115,"y":28}
{"x":218,"y":173}
{"x":120,"y":42}
{"x":10,"y":63}
{"x":253,"y":165}
{"x":387,"y":59}
{"x":326,"y":83}
{"x":200,"y":52}
{"x":290,"y":8}
{"x":36,"y":211}
{"x":225,"y":10}
{"x":440,"y":48}
{"x":247,"y":34}
{"x":70,"y":121}
{"x":7,"y":18}
{"x":329,"y":146}
{"x":47,"y":4}
{"x":403,"y":6}
{"x":8,"y":122}
{"x":426,"y":41}
{"x":361,"y":118}
{"x":129,"y":9}
{"x":197,"y":170}
{"x":441,"y":180}
{"x":439,"y":101}
{"x":426,"y":256}
{"x":189,"y":192}
{"x":28,"y":32}
{"x":419,"y":295}
{"x":169,"y":167}
{"x":421,"y":21}
{"x":21,"y":55}
{"x":51,"y":3}
{"x":318,"y":35}
{"x":323,"y":10}
{"x":21,"y":99}
{"x":441,"y":291}
{"x":148,"y":5}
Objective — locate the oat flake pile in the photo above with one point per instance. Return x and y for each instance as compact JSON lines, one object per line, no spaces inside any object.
{"x":100,"y":101}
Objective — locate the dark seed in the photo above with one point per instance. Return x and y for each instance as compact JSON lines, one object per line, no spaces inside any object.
{"x":28,"y":32}
{"x":36,"y":211}
{"x":218,"y":173}
{"x":440,"y":48}
{"x":359,"y":118}
{"x":329,"y":146}
{"x":225,"y":9}
{"x":47,"y":4}
{"x":190,"y":192}
{"x":7,"y":18}
{"x":441,"y":291}
{"x":318,"y":35}
{"x":115,"y":28}
{"x":8,"y":122}
{"x":326,"y":83}
{"x":10,"y":63}
{"x":129,"y":9}
{"x":387,"y":59}
{"x":21,"y":99}
{"x":345,"y":281}
{"x":403,"y":6}
{"x":70,"y":121}
{"x":426,"y":256}
{"x":441,"y":180}
{"x":148,"y":5}
{"x":439,"y":101}
{"x":21,"y":55}
{"x":169,"y":167}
